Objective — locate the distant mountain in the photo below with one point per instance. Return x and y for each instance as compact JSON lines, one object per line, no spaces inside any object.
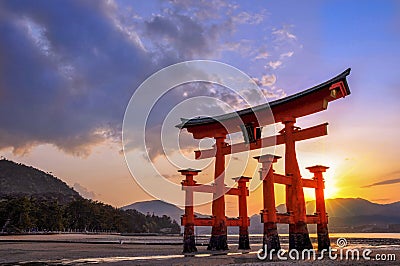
{"x":20,"y":180}
{"x":348,"y":207}
{"x":157,"y":207}
{"x":345,"y":214}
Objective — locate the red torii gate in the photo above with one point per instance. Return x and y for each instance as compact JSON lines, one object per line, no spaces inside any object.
{"x":286,"y":111}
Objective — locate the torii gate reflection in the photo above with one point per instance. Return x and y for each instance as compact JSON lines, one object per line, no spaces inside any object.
{"x":285,"y":111}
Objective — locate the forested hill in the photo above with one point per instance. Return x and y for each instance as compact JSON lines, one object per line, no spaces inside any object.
{"x":34,"y":201}
{"x":19,"y":180}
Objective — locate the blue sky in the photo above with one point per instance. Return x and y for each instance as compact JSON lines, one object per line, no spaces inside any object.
{"x":68,"y":69}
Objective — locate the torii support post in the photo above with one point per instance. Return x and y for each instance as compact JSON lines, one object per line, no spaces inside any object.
{"x":268,"y":214}
{"x":299,"y":238}
{"x":189,"y":242}
{"x":322,"y":225}
{"x":244,"y":242}
{"x":218,"y":240}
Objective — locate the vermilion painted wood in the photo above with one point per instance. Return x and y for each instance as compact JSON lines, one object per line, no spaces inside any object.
{"x":302,"y":134}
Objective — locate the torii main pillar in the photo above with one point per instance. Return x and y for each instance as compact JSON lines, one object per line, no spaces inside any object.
{"x":299,"y":238}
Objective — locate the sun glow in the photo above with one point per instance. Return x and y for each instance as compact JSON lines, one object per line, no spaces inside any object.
{"x":331,"y":189}
{"x":331,"y":182}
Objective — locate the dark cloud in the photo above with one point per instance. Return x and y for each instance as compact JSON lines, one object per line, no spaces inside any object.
{"x":69,"y":68}
{"x":182,"y":31}
{"x":179,"y":34}
{"x":67,"y":73}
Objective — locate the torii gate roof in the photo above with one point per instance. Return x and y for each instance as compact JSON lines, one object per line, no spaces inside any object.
{"x":303,"y":103}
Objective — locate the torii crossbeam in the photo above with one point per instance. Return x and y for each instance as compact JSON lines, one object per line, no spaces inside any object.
{"x":285,"y":111}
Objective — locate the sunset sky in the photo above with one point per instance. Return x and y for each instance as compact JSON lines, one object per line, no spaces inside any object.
{"x":69,"y":68}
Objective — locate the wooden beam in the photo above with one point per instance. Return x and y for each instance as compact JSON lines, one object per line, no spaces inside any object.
{"x":287,"y":180}
{"x":204,"y":221}
{"x":303,"y":134}
{"x":209,"y":221}
{"x":312,"y":219}
{"x":284,"y":218}
{"x":311,"y":183}
{"x":234,"y":222}
{"x":233,"y":191}
{"x":282,"y":179}
{"x":211,"y":189}
{"x":200,"y":188}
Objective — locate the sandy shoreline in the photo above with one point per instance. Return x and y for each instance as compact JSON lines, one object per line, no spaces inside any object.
{"x":75,"y":249}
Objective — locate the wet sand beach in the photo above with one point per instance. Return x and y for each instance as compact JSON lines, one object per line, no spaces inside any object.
{"x":75,"y":249}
